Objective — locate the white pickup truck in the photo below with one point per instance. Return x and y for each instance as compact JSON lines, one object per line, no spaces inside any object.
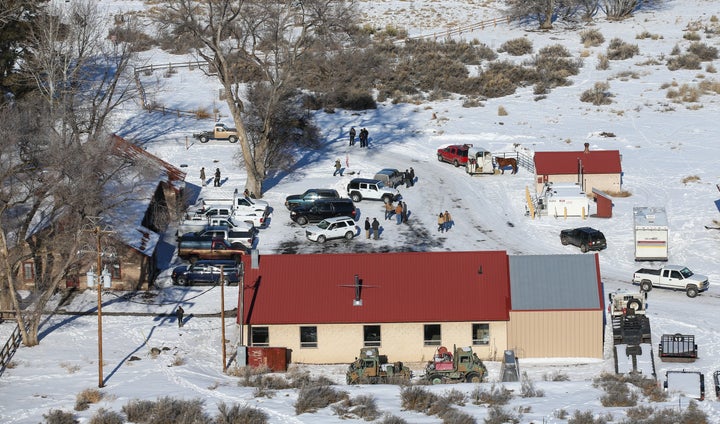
{"x":675,"y":277}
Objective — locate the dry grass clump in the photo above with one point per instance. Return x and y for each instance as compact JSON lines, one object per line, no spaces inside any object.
{"x":496,"y":395}
{"x":703,"y":51}
{"x":598,"y":95}
{"x":166,"y":410}
{"x":416,"y":398}
{"x":620,"y":50}
{"x":312,"y":398}
{"x":498,"y":415}
{"x":502,"y":111}
{"x":603,"y":62}
{"x":71,"y":368}
{"x":690,"y":179}
{"x":362,"y":407}
{"x":201,"y":113}
{"x":710,"y":86}
{"x":240,"y":415}
{"x":554,"y":64}
{"x":591,"y":37}
{"x":104,"y":416}
{"x":617,"y":392}
{"x":684,"y":61}
{"x":86,"y":397}
{"x":586,"y":418}
{"x":684,"y":94}
{"x":646,"y":34}
{"x":57,"y":416}
{"x":691,"y":36}
{"x":517,"y":46}
{"x":528,"y":389}
{"x":648,"y":415}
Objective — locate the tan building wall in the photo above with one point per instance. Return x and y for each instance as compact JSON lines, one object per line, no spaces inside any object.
{"x":553,"y":334}
{"x":605,"y":182}
{"x":341,"y":343}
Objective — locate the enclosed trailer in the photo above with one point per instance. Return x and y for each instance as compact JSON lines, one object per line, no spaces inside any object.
{"x":480,"y":161}
{"x":564,"y":200}
{"x":651,"y":234}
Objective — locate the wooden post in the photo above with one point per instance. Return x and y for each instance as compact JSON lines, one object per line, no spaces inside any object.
{"x":222,"y":317}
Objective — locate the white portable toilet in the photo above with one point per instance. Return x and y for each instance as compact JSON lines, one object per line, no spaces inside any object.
{"x":651,"y":233}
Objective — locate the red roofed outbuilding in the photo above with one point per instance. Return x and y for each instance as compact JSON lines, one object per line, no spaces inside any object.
{"x":592,"y":169}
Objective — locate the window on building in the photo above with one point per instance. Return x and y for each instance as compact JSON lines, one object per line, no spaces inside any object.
{"x":260,"y":336}
{"x":371,"y":335}
{"x":28,"y":271}
{"x":115,"y":271}
{"x":308,"y":336}
{"x":480,"y":334}
{"x":432,"y":335}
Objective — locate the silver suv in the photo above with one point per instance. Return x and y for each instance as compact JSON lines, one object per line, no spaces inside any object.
{"x":364,"y":188}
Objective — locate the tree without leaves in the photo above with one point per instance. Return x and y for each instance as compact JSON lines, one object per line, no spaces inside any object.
{"x":263,"y":38}
{"x":79,"y":72}
{"x":544,"y":11}
{"x":56,"y":168}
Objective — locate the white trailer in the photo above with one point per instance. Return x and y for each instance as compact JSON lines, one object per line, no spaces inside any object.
{"x":480,"y":161}
{"x":564,"y":200}
{"x":651,"y":234}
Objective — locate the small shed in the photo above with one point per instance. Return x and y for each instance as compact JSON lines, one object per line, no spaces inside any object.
{"x":651,"y":234}
{"x":603,"y":204}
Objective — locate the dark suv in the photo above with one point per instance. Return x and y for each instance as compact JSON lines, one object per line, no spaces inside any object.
{"x":206,"y":272}
{"x":322,"y":209}
{"x":585,"y":238}
{"x":309,"y":197}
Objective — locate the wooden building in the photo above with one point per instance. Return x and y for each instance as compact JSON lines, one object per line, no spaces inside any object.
{"x":325,"y":307}
{"x":591,"y":169}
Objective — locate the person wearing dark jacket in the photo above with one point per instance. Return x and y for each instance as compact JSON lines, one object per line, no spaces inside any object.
{"x":180,"y":312}
{"x":352,"y":136}
{"x":367,"y":228}
{"x":217,"y":177}
{"x":376,"y":228}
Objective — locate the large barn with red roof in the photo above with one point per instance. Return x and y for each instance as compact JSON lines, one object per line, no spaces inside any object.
{"x":325,"y":307}
{"x":591,"y":169}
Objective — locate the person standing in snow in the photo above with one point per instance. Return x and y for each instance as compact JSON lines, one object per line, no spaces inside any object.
{"x":398,"y":212}
{"x":376,"y":228}
{"x":202,"y":176}
{"x":412,"y":177}
{"x":338,"y":167}
{"x":441,"y":222}
{"x":404,"y":213}
{"x":448,"y":221}
{"x":367,"y":228}
{"x":352,"y":136}
{"x":388,"y":210}
{"x":180,"y":312}
{"x":406,"y":177}
{"x":217,"y":177}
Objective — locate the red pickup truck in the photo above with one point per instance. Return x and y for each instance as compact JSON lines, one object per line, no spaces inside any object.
{"x":456,"y":154}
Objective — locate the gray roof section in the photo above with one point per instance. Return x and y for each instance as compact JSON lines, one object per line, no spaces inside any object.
{"x":547,"y":282}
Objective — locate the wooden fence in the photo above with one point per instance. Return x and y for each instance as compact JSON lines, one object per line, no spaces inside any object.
{"x":167,"y":68}
{"x":489,"y":23}
{"x":9,"y":349}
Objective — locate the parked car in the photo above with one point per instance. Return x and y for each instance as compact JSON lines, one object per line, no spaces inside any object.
{"x":585,"y":238}
{"x":309,"y":197}
{"x":365,"y":188}
{"x":456,"y":154}
{"x":206,"y":272}
{"x":676,"y":277}
{"x":194,"y":248}
{"x":322,"y":209}
{"x":330,"y":228}
{"x":243,"y":235}
{"x":390,"y":177}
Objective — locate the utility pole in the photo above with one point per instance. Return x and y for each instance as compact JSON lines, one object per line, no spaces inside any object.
{"x":98,"y":233}
{"x":222,"y":317}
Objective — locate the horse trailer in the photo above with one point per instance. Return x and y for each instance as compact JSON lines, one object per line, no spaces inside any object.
{"x":651,"y":234}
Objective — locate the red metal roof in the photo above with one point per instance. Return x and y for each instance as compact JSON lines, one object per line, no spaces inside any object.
{"x":396,"y":287}
{"x":593,"y":162}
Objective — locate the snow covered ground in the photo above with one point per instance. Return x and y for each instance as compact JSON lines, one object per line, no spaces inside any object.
{"x":670,"y":158}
